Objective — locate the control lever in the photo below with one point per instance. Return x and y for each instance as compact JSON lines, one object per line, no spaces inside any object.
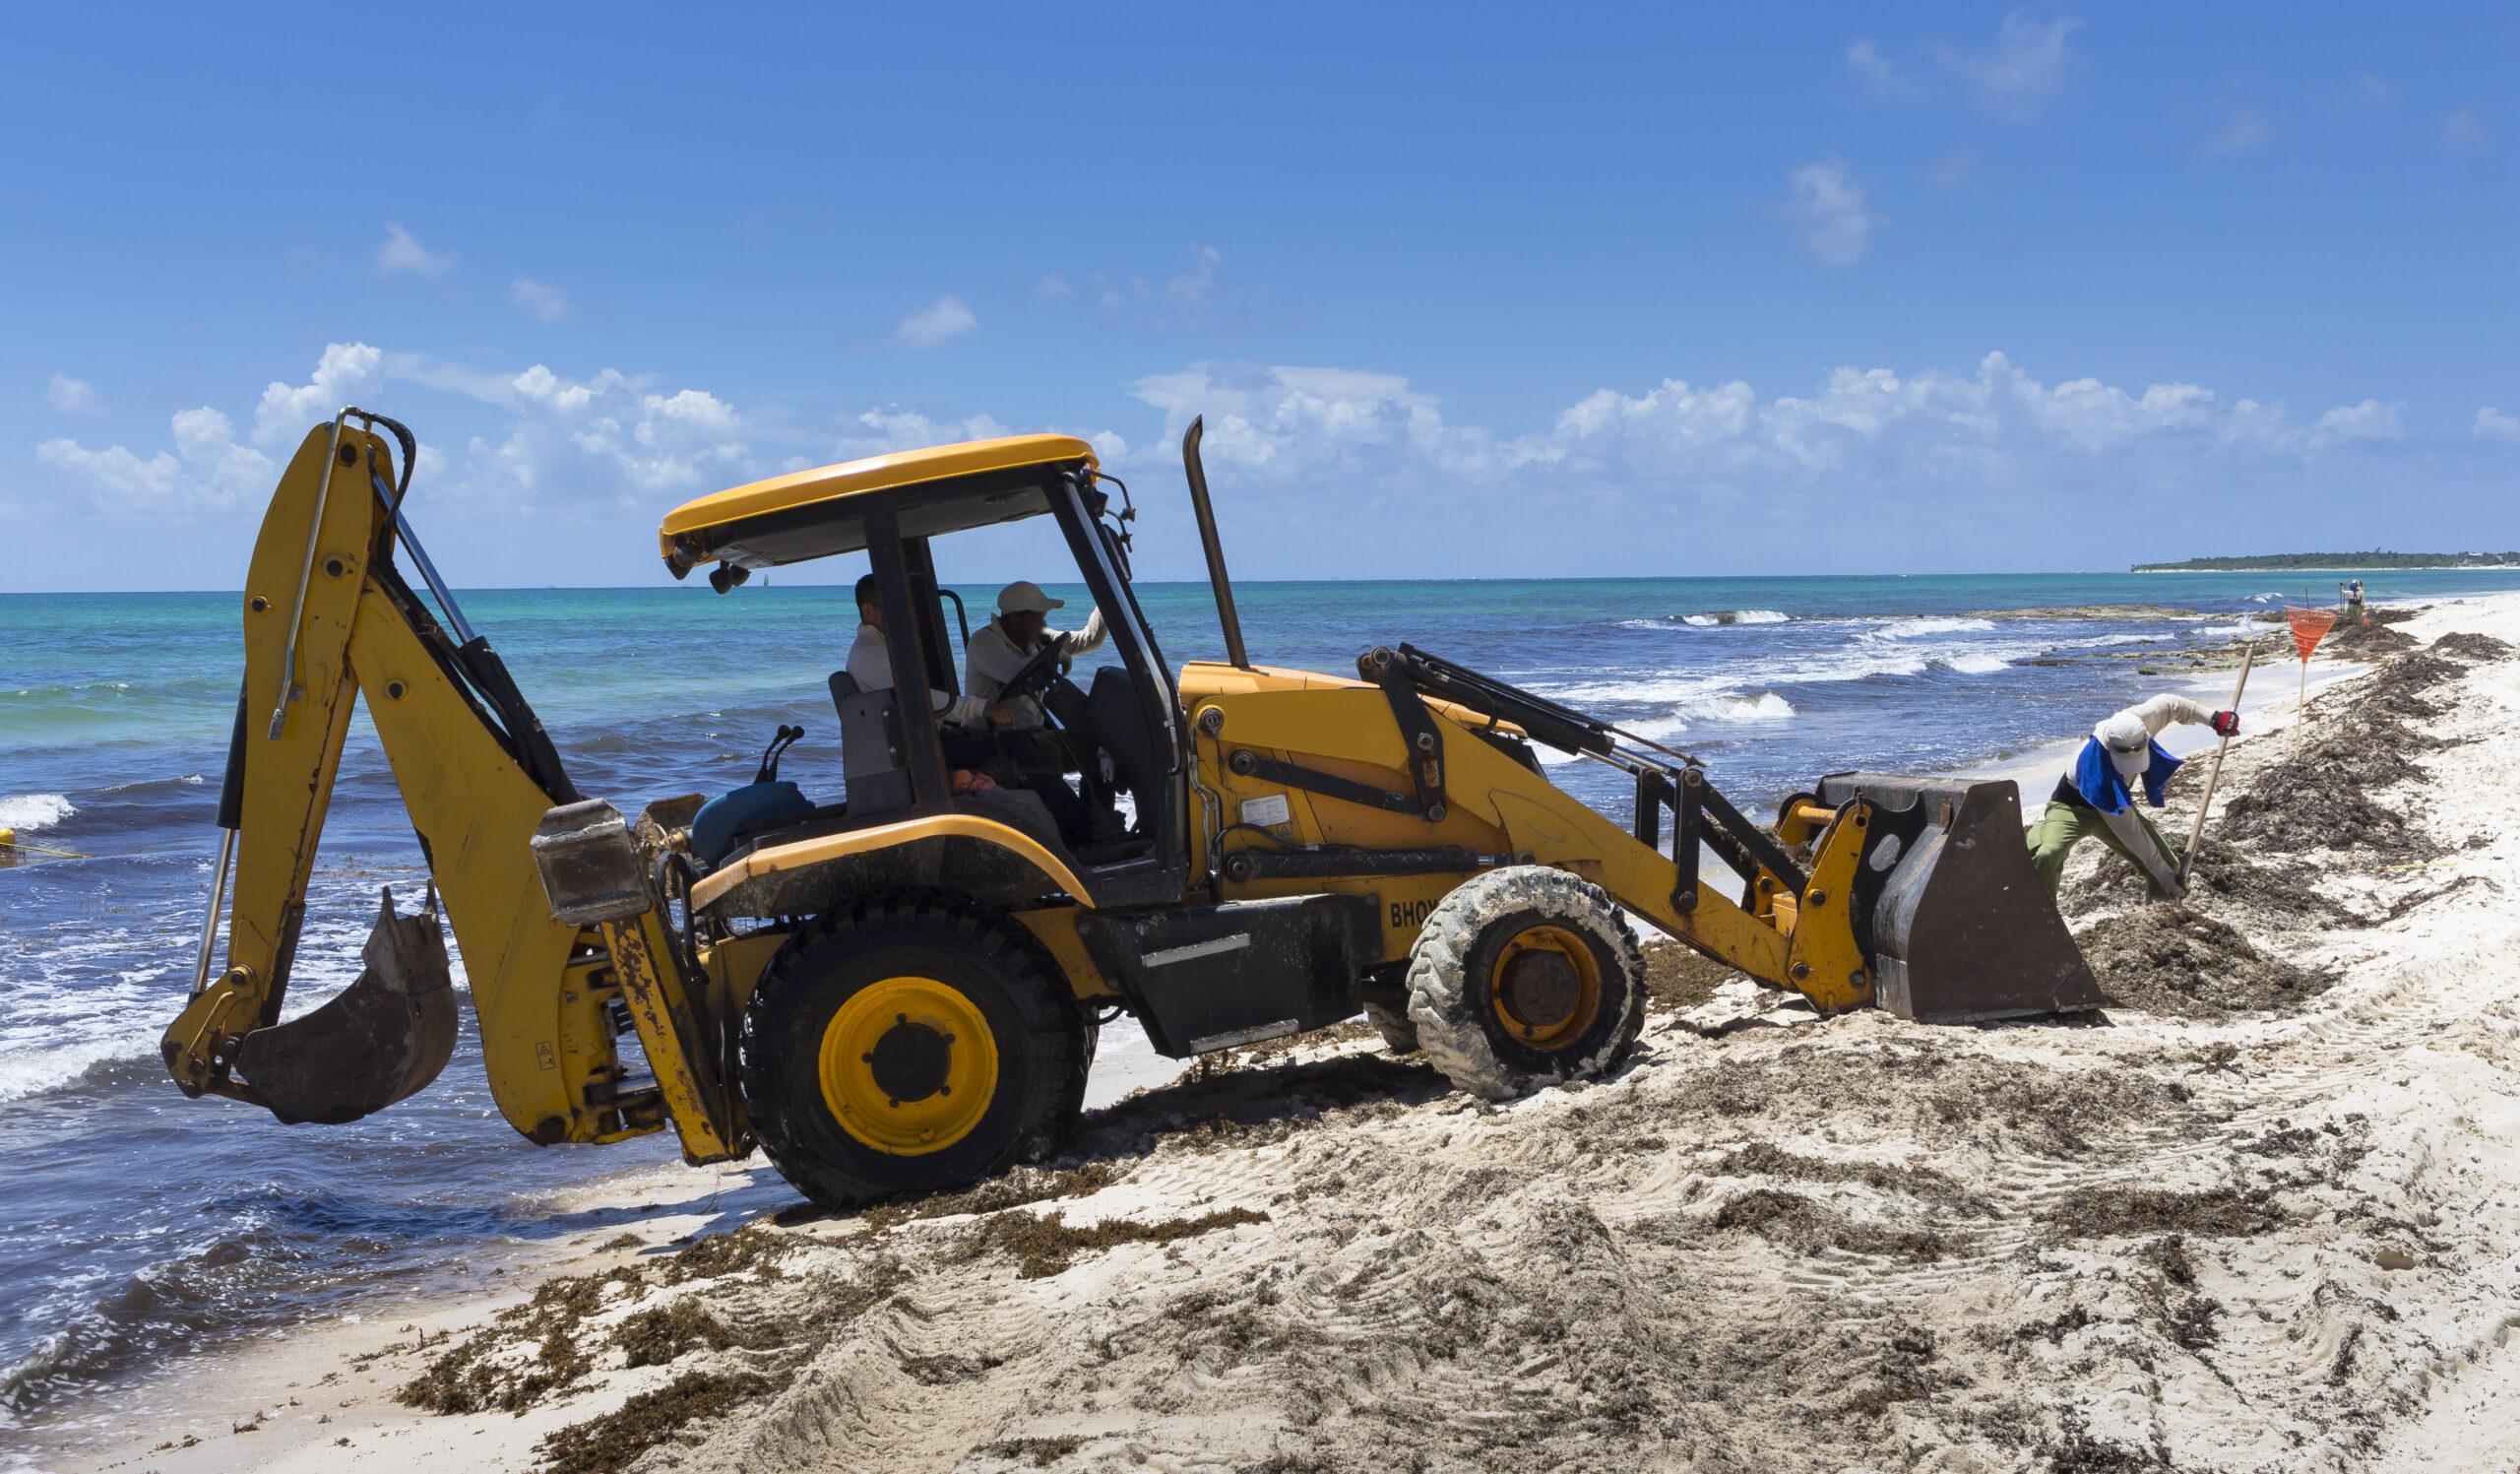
{"x":780,"y":741}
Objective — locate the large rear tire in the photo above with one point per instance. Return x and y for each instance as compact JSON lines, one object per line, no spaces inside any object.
{"x":1526,"y":977}
{"x":907,"y":1044}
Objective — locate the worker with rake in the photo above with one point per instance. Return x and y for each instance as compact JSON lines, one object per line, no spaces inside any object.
{"x":2097,"y":796}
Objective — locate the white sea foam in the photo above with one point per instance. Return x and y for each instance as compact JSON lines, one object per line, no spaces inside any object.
{"x":94,"y":993}
{"x":29,"y":812}
{"x":1761,"y":706}
{"x":1912,"y":628}
{"x":1698,"y":714}
{"x":1893,"y":649}
{"x":1738,"y":617}
{"x":1972,"y":664}
{"x":1673,"y":688}
{"x":35,"y":1071}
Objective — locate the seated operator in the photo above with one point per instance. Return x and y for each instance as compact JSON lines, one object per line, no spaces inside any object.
{"x":871,"y":664}
{"x":1014,"y":635}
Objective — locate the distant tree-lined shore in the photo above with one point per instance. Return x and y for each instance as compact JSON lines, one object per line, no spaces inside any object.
{"x":2281,"y":561}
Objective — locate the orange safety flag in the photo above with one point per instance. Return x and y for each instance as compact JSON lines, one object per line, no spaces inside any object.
{"x":2309,"y":626}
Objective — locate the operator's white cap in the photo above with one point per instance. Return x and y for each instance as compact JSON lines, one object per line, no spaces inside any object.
{"x":2129,"y":743}
{"x":1025,"y":596}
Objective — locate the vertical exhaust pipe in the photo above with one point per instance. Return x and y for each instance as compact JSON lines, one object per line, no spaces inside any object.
{"x":1207,"y":515}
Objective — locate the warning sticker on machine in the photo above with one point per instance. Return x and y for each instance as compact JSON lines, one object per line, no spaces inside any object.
{"x":1267,"y":813}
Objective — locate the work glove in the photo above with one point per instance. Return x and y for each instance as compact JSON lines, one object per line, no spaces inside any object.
{"x":2227,"y":724}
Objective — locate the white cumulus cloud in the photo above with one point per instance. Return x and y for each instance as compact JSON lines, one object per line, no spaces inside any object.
{"x":68,"y":395}
{"x":598,"y":443}
{"x":539,"y":300}
{"x":1942,"y":435}
{"x":2371,"y":420}
{"x":604,"y":440}
{"x":403,"y":255}
{"x":1880,"y":77}
{"x":208,"y":471}
{"x":939,"y":322}
{"x":345,"y":372}
{"x":891,"y":427}
{"x":1196,"y":298}
{"x":2492,"y":424}
{"x":1829,"y":214}
{"x":2023,"y":71}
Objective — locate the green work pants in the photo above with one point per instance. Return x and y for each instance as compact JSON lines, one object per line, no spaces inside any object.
{"x":2064,"y":826}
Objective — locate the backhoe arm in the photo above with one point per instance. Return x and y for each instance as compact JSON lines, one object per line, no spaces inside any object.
{"x":465,"y":753}
{"x":278,"y":781}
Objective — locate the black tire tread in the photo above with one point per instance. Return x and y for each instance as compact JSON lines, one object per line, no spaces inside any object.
{"x":785,"y":984}
{"x":1452,"y":1024}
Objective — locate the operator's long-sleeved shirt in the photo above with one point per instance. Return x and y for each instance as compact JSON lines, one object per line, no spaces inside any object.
{"x":2155,"y":713}
{"x":993,"y":656}
{"x":2166,"y":709}
{"x":871,"y":664}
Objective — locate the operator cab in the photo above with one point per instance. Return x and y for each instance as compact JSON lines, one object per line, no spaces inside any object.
{"x":1119,"y":831}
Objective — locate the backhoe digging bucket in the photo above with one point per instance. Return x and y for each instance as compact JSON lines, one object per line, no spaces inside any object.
{"x":383,"y":1038}
{"x":1947,"y":904}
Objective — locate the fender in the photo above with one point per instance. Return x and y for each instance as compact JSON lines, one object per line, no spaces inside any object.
{"x":972,"y":854}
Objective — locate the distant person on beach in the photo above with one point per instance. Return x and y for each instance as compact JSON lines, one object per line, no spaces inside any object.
{"x":2355,"y":614}
{"x":2097,"y":796}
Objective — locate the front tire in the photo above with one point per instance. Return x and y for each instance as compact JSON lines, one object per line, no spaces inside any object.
{"x":1386,"y":1007}
{"x":907,"y":1044}
{"x":1526,"y":977}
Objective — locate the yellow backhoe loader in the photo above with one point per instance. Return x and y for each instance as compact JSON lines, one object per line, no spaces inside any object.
{"x":900,"y":990}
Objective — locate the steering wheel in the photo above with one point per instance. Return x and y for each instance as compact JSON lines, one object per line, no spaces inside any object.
{"x":1035,"y":675}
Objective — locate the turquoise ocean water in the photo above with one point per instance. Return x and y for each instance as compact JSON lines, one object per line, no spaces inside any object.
{"x":139,"y":1219}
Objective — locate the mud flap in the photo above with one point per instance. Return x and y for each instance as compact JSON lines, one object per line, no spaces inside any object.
{"x":382,"y":1039}
{"x":1949,"y":908}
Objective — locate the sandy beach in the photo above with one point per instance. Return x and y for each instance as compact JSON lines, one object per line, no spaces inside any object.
{"x":2251,"y":1218}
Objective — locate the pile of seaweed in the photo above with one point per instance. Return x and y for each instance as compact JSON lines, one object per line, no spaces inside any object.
{"x":2363,"y":641}
{"x":1677,"y":979}
{"x":2328,"y":791}
{"x":2471,"y":647}
{"x":2167,"y":959}
{"x":2292,"y":891}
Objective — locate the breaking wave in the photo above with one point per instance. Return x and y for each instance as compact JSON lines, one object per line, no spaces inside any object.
{"x":1697,"y":714}
{"x":1927,"y":625}
{"x":1972,"y":664}
{"x":1738,"y":617}
{"x":29,"y":812}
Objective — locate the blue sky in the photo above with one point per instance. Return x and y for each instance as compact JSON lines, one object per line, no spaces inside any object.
{"x":1473,"y":292}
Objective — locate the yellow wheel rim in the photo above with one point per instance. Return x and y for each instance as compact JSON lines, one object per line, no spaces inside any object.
{"x":1546,"y":987}
{"x":909,"y":1065}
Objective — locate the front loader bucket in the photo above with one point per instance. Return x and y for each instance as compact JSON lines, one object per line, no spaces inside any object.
{"x":1947,"y":904}
{"x":383,"y":1038}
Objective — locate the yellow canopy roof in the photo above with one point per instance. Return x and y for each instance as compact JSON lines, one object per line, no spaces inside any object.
{"x":813,"y":514}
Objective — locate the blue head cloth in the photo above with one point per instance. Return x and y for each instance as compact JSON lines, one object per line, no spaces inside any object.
{"x":2096,"y":777}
